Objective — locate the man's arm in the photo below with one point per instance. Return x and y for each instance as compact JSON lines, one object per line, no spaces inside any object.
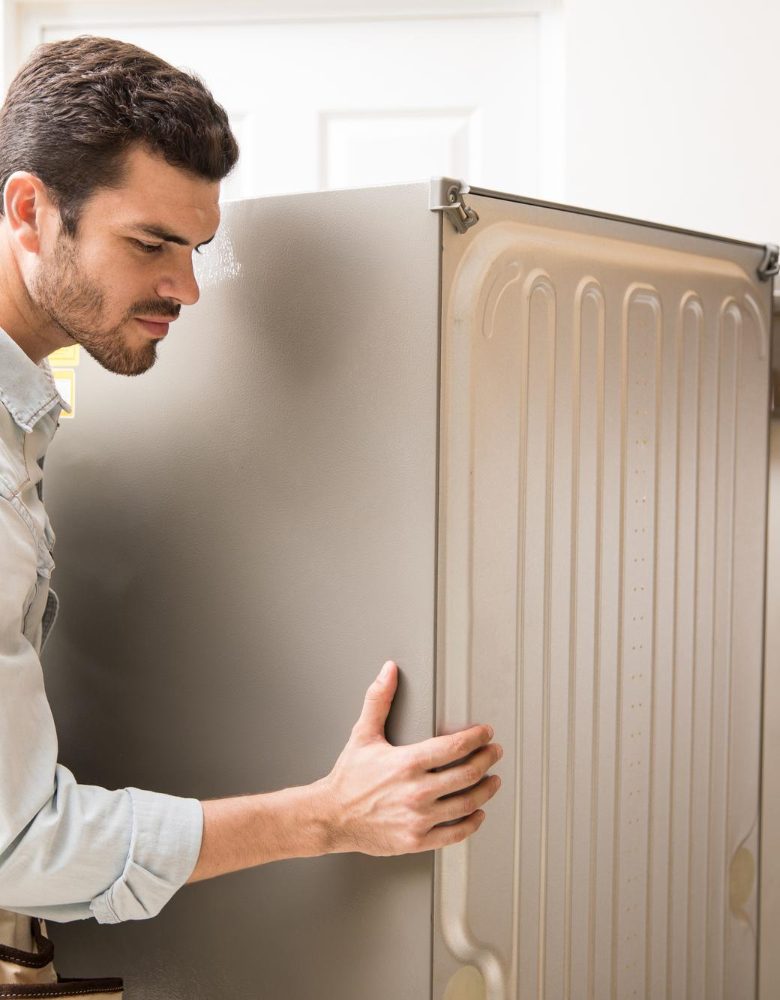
{"x":378,"y":799}
{"x":68,"y":850}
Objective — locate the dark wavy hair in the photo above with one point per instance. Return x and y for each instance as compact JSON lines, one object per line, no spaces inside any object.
{"x":75,"y":107}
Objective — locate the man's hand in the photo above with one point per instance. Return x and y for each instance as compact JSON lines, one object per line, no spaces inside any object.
{"x":387,"y":800}
{"x":378,"y":799}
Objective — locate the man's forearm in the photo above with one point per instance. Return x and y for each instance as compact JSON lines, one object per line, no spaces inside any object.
{"x":252,"y":830}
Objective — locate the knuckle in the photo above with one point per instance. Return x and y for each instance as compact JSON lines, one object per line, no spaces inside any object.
{"x":403,"y":759}
{"x":412,"y":841}
{"x":420,"y":828}
{"x":463,"y":806}
{"x":481,"y":793}
{"x":417,"y":798}
{"x":472,"y":774}
{"x":458,"y":745}
{"x":475,"y":821}
{"x":461,"y":832}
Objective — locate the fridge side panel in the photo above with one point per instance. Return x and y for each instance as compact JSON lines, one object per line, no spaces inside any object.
{"x":769,"y":965}
{"x":245,"y":534}
{"x":603,"y":474}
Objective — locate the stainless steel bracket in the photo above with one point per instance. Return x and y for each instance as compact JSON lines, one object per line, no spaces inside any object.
{"x":770,"y":264}
{"x":446,"y":196}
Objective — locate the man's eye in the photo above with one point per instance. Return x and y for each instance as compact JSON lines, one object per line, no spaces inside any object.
{"x":148,"y":247}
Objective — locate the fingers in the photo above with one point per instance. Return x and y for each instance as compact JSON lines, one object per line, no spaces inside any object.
{"x":461,"y":814}
{"x":443,"y":836}
{"x":376,"y":706}
{"x":442,"y":750}
{"x":455,"y":807}
{"x":454,"y":779}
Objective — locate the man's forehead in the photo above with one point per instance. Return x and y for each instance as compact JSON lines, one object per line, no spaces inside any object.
{"x":153,"y":194}
{"x":186,"y":222}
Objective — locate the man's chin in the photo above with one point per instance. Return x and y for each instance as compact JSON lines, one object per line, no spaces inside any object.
{"x":122,"y":360}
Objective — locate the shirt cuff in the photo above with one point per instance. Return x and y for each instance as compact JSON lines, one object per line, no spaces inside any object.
{"x":164,"y":849}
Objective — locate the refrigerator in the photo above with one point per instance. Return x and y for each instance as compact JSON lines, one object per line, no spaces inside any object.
{"x":518,"y":447}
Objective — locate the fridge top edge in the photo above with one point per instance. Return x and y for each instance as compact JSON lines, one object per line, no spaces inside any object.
{"x":579,"y":210}
{"x":438,"y":186}
{"x":423,"y":183}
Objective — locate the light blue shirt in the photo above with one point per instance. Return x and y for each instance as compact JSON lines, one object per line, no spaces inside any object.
{"x":67,"y":851}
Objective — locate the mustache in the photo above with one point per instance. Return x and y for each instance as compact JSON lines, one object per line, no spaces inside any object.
{"x":156,"y":307}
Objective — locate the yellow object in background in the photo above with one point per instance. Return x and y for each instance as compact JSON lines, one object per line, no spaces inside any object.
{"x":65,"y":357}
{"x":62,"y":364}
{"x":65,"y":380}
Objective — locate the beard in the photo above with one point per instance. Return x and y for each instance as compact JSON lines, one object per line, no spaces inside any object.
{"x":76,"y":304}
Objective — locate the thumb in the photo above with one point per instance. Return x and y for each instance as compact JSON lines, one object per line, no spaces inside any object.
{"x":376,"y":706}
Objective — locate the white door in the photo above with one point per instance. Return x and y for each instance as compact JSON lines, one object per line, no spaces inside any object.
{"x":339,"y":98}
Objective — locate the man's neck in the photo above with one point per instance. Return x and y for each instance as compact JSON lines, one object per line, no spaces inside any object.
{"x":19,"y":317}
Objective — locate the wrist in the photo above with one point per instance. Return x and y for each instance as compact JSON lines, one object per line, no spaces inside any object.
{"x":328,"y":825}
{"x":317,"y":816}
{"x":291,"y":822}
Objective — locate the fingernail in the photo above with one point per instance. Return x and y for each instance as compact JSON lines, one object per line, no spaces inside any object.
{"x":490,"y":732}
{"x":384,"y":673}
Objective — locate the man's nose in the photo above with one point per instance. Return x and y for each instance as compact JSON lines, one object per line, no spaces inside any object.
{"x":180,"y":285}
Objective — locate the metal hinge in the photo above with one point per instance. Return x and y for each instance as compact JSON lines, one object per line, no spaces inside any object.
{"x":447,"y":196}
{"x":770,"y":263}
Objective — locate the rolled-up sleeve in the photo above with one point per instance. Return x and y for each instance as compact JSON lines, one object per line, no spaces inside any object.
{"x":67,"y":850}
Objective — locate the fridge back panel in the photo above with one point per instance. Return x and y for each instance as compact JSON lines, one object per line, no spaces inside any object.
{"x":603,"y":479}
{"x":244,"y":535}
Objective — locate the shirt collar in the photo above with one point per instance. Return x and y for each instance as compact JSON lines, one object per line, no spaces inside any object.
{"x":27,"y":390}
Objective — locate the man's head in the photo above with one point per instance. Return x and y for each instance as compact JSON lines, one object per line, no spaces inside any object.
{"x":110,"y":160}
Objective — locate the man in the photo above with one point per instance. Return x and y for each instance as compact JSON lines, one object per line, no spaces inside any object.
{"x":110,"y":163}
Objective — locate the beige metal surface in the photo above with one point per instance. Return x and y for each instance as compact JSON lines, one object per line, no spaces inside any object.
{"x":601,"y":573}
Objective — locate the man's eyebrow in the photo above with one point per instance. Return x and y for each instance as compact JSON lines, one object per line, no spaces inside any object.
{"x":162,"y":234}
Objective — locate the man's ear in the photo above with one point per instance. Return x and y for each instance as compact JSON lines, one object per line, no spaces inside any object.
{"x":27,"y":204}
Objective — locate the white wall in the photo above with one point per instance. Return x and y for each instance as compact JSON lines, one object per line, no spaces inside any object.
{"x":670,"y":112}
